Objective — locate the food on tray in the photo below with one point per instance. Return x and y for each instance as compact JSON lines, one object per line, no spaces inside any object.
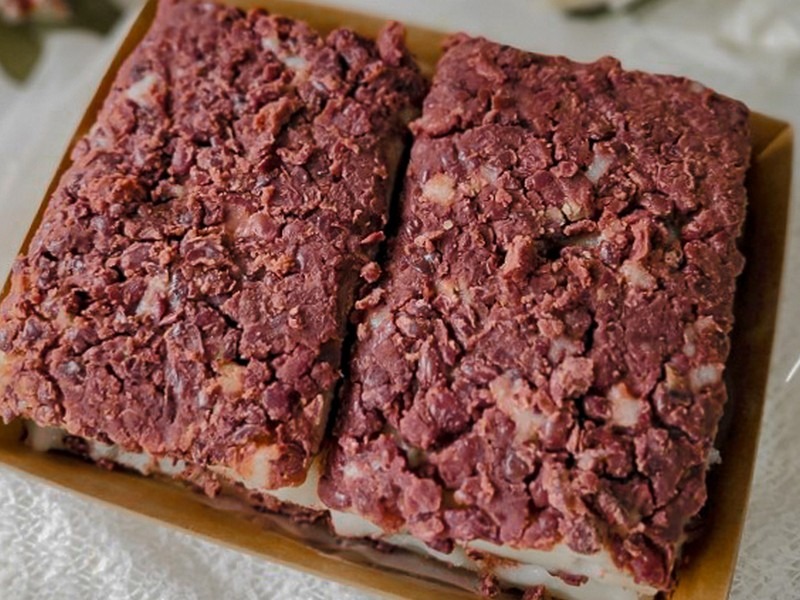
{"x":187,"y":291}
{"x":536,"y":382}
{"x":538,"y":378}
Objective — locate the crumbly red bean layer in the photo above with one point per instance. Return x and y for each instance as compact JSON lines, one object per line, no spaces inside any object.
{"x":187,"y":289}
{"x":542,"y":362}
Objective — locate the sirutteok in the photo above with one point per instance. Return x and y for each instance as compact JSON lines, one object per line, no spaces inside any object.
{"x":187,"y":291}
{"x":537,"y":382}
{"x":537,"y":379}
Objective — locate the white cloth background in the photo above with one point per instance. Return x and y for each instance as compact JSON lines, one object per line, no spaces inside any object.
{"x":54,"y":545}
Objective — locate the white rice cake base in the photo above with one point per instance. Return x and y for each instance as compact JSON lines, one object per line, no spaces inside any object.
{"x":520,"y":568}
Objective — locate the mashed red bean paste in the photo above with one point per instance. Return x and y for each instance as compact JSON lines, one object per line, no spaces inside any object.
{"x":186,"y":292}
{"x":541,"y":363}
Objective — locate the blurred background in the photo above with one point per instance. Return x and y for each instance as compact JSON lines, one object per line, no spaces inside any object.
{"x":54,"y":52}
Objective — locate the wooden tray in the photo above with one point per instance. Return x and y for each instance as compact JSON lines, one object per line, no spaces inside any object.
{"x":711,"y":560}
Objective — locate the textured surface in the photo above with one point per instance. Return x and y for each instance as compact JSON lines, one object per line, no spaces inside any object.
{"x":750,"y":50}
{"x":95,"y":553}
{"x":187,"y":290}
{"x":548,"y":342}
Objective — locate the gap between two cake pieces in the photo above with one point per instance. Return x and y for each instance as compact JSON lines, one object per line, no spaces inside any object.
{"x":533,"y":382}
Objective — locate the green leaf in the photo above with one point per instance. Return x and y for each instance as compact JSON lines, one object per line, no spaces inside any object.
{"x":20,"y":48}
{"x":95,"y":15}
